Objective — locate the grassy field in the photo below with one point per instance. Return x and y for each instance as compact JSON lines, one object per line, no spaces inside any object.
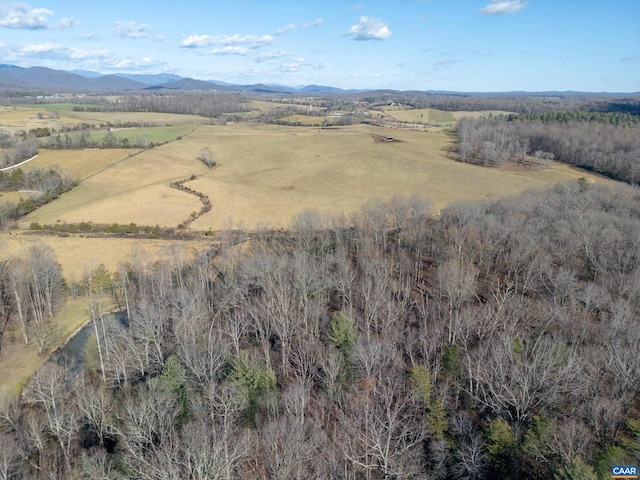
{"x":14,"y":119}
{"x":133,"y":190}
{"x":311,"y":120}
{"x":19,"y":361}
{"x":79,"y":164}
{"x":12,"y":197}
{"x":76,"y":253}
{"x":66,"y":110}
{"x":420,"y":115}
{"x":266,"y":174}
{"x":264,"y":106}
{"x":58,"y":116}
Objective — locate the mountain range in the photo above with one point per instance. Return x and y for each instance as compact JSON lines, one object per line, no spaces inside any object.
{"x":48,"y":79}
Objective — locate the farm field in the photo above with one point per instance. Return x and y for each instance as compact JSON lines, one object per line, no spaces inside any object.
{"x":267,"y":174}
{"x":66,"y":110}
{"x":265,"y":106}
{"x":14,"y":119}
{"x":311,"y":120}
{"x":79,"y":164}
{"x":420,"y":115}
{"x":61,"y":116}
{"x":76,"y":253}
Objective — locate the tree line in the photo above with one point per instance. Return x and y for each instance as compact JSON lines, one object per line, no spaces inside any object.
{"x":16,"y":148}
{"x":492,"y":341}
{"x":43,"y":185}
{"x":612,"y":150}
{"x":31,"y":290}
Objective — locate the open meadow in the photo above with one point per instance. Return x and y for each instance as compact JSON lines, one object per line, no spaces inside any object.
{"x":266,"y":174}
{"x":419,"y":115}
{"x":16,"y":119}
{"x":79,"y":164}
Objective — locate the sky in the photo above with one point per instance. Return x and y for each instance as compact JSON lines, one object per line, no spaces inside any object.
{"x":453,"y":45}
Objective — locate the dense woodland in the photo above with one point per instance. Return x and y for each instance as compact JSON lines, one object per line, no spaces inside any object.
{"x":16,"y":148}
{"x":194,"y":103}
{"x":496,"y":340}
{"x":595,"y":144}
{"x":42,"y":185}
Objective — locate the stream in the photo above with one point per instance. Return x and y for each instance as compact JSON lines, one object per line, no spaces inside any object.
{"x":73,"y":352}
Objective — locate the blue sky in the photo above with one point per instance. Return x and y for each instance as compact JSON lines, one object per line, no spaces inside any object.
{"x":459,"y":45}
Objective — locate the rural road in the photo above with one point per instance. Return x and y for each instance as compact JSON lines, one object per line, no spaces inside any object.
{"x":18,"y":164}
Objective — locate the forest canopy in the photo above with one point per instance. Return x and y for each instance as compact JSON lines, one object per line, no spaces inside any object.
{"x":496,"y":340}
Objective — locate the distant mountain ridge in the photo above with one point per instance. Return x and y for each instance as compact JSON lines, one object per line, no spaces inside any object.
{"x":12,"y":76}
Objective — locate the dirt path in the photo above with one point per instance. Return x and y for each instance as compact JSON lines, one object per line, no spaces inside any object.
{"x":18,"y":164}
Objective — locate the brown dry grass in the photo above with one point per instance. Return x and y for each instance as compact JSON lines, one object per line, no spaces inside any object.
{"x":265,"y":106}
{"x":14,"y":119}
{"x":19,"y":361}
{"x":12,"y":197}
{"x":134,"y":190}
{"x":311,"y":120}
{"x":419,"y":115}
{"x":268,"y":174}
{"x":79,"y":163}
{"x":76,"y":254}
{"x":137,"y":117}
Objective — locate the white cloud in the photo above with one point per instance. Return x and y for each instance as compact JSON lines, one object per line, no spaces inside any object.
{"x":133,"y":64}
{"x":20,"y":15}
{"x":283,"y":30}
{"x":248,"y":41}
{"x":130,"y":29}
{"x":369,"y":28}
{"x":272,"y":56}
{"x":80,"y":54}
{"x":294,"y":66}
{"x":502,"y":7}
{"x":315,"y":23}
{"x":230,"y":50}
{"x":196,"y":41}
{"x":40,"y":48}
{"x":67,"y":22}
